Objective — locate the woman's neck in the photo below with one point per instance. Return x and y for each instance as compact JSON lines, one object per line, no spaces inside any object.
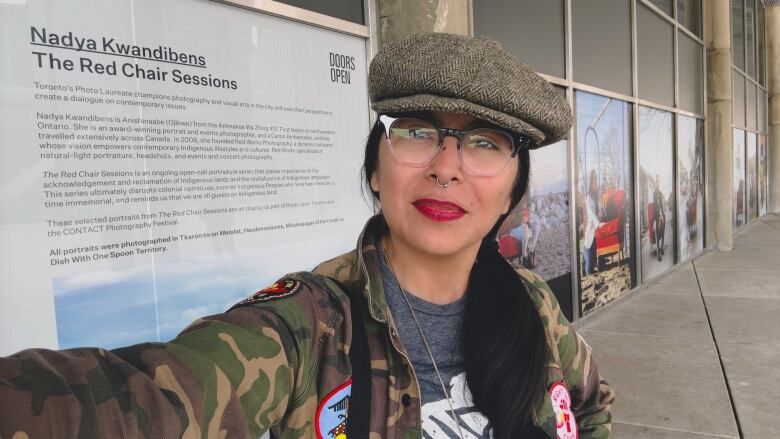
{"x":433,"y":278}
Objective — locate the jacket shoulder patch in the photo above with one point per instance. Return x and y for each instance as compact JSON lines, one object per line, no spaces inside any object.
{"x":279,"y":289}
{"x":331,"y":418}
{"x":565,"y":424}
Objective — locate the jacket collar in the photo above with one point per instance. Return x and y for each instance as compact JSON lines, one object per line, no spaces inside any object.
{"x":369,"y":272}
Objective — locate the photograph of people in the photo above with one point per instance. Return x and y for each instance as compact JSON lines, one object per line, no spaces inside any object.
{"x":423,"y":330}
{"x":740,"y":218}
{"x":752,"y":176}
{"x":535,"y":235}
{"x":603,"y":209}
{"x":592,"y":209}
{"x":690,"y":208}
{"x":656,"y":183}
{"x":762,"y":173}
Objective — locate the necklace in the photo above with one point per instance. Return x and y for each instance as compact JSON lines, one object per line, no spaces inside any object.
{"x":405,"y":294}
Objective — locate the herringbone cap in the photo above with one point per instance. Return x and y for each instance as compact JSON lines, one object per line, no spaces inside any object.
{"x":472,"y":75}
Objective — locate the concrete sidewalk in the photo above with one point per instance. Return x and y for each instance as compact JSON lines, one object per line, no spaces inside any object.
{"x":696,"y":353}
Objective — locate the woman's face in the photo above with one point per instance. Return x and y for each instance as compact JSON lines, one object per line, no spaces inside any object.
{"x":436,"y":220}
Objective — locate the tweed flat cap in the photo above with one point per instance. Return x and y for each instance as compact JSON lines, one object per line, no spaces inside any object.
{"x":472,"y":75}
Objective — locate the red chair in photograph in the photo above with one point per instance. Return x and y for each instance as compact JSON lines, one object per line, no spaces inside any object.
{"x":609,"y":235}
{"x":509,"y":247}
{"x":650,"y":218}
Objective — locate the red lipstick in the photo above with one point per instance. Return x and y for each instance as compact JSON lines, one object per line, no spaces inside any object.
{"x":437,"y":210}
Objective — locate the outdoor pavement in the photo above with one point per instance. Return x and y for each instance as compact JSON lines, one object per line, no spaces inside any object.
{"x":695,"y":354}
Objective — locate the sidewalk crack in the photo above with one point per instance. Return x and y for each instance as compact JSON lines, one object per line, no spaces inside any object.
{"x":720,"y":357}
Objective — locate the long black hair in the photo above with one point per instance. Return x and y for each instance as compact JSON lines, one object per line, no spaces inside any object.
{"x":503,"y":339}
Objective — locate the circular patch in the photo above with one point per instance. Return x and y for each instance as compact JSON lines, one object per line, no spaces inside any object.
{"x":565,"y":423}
{"x":281,"y":288}
{"x":331,"y":418}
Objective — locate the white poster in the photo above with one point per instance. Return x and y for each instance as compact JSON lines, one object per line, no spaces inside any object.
{"x":160,"y":161}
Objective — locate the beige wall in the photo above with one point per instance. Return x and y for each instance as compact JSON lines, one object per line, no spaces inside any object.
{"x":400,"y":18}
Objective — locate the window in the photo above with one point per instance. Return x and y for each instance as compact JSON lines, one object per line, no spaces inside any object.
{"x":738,"y":33}
{"x":656,"y":190}
{"x":655,"y":44}
{"x":524,"y":28}
{"x":601,"y":40}
{"x":689,"y":15}
{"x":691,"y":74}
{"x":690,"y":184}
{"x":350,"y":10}
{"x":663,"y":5}
{"x":604,"y":206}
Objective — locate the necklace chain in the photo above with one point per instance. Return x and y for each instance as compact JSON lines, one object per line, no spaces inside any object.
{"x":405,"y":294}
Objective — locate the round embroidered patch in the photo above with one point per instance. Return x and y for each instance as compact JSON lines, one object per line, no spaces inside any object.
{"x":331,"y":418}
{"x":282,"y":288}
{"x":565,"y":424}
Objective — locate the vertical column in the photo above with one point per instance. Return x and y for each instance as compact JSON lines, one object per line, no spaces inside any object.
{"x":718,"y":150}
{"x":401,"y":18}
{"x":772,"y":17}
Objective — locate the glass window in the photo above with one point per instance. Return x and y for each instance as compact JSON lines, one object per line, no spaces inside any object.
{"x":689,"y":15}
{"x":752,"y":177}
{"x":691,"y":75}
{"x":604,"y":187}
{"x":762,"y":117}
{"x":690,"y":181}
{"x":738,"y":33}
{"x":350,"y":10}
{"x":525,"y":27}
{"x":655,"y":44}
{"x":761,"y":37}
{"x":601,"y":35}
{"x":739,"y":178}
{"x":738,"y":89}
{"x":656,"y":190}
{"x":750,"y":106}
{"x":750,"y":38}
{"x":762,"y":174}
{"x":663,"y":5}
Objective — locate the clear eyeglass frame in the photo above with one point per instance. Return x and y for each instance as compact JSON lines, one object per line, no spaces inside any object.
{"x":518,"y":143}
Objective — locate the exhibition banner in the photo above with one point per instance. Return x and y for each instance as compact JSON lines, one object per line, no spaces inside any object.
{"x":604,"y":200}
{"x":751,"y":163}
{"x":690,"y":177}
{"x":762,"y":175}
{"x":738,"y":162}
{"x":163,"y":160}
{"x":656,"y":190}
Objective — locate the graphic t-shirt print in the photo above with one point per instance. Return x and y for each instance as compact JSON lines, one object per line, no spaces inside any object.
{"x":437,"y":420}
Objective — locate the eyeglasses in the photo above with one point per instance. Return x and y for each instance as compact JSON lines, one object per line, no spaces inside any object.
{"x":481,"y":152}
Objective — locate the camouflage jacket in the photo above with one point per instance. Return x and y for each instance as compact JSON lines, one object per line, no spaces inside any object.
{"x":277,"y":360}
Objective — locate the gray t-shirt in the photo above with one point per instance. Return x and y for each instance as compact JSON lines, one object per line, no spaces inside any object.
{"x":441,"y":325}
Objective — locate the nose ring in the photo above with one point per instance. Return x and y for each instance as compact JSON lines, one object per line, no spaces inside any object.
{"x":445,"y":184}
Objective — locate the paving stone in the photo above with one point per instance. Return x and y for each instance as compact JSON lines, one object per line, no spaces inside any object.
{"x":744,"y":319}
{"x":630,"y":431}
{"x":665,"y":315}
{"x":664,"y":381}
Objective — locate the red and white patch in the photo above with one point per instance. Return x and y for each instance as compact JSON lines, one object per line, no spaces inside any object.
{"x":331,"y":418}
{"x":281,"y":288}
{"x":565,"y":423}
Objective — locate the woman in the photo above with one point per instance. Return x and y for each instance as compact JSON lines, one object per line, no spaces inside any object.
{"x":593,"y":223}
{"x":460,"y":344}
